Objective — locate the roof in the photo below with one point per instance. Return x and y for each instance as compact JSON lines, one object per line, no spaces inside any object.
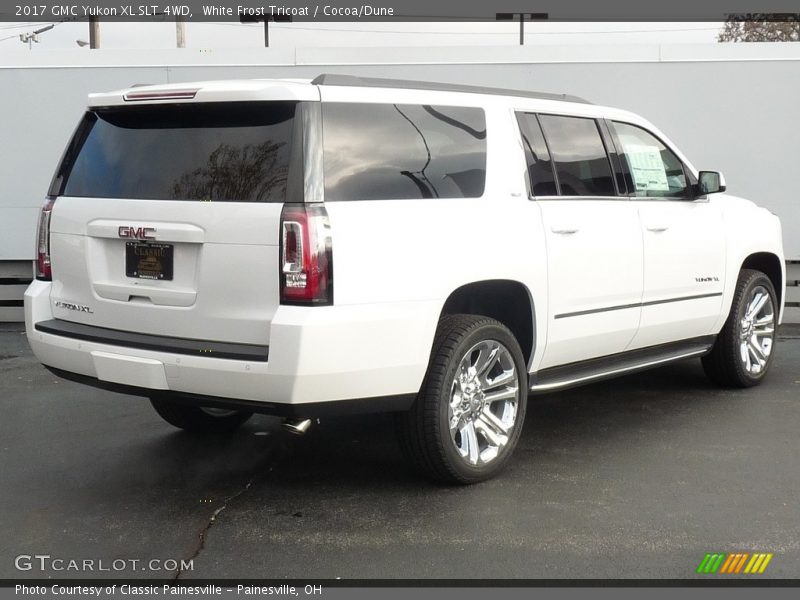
{"x":372,"y":82}
{"x":294,"y":89}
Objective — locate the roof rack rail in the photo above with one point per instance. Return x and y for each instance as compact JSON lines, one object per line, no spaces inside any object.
{"x":375,"y":82}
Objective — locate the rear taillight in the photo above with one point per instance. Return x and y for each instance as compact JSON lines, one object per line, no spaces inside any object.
{"x":43,"y":270}
{"x":306,"y":255}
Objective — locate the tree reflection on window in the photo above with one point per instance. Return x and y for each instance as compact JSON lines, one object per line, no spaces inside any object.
{"x":215,"y":151}
{"x":255,"y":172}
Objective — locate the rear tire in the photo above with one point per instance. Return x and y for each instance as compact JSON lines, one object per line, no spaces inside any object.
{"x":467,"y":418}
{"x":198,"y":419}
{"x":743,"y":352}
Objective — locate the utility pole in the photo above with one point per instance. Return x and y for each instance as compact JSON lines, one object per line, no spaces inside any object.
{"x":180,"y":32}
{"x":94,"y":32}
{"x":522,"y":17}
{"x":266,"y":19}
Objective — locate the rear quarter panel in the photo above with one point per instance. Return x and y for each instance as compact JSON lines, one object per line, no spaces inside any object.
{"x":422,"y":250}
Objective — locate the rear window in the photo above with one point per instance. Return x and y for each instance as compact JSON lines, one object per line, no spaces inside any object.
{"x":221,"y":152}
{"x":403,"y":151}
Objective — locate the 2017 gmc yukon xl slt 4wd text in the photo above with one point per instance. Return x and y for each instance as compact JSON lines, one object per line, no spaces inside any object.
{"x":346,"y":244}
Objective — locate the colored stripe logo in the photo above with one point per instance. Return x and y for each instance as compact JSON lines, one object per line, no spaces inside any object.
{"x":736,"y":563}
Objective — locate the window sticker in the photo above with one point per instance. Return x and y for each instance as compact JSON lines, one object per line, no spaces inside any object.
{"x":647,"y":168}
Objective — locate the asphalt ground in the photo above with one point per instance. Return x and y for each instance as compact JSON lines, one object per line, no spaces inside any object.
{"x":637,"y":477}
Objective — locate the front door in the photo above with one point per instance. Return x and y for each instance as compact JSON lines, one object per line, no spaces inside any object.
{"x":684,"y":245}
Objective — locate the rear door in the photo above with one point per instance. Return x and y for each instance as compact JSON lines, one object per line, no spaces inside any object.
{"x":167,"y":218}
{"x":594,"y":246}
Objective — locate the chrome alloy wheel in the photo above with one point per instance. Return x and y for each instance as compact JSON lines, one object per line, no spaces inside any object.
{"x":757,"y":331}
{"x":484,"y":398}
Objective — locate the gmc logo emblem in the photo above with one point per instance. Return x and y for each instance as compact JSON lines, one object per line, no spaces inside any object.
{"x":140,"y":233}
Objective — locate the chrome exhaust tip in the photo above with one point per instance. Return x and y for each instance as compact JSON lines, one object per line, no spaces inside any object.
{"x":297,"y":426}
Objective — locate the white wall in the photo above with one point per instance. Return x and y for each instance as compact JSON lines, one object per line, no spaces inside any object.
{"x":732,"y":107}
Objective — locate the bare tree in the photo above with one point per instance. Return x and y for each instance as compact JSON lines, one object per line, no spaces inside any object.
{"x":761,"y":27}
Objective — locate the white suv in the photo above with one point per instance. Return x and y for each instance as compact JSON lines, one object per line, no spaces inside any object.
{"x":306,"y":248}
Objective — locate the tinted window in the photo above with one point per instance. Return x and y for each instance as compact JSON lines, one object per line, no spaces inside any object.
{"x":212,"y":152}
{"x":387,"y":151}
{"x":579,"y":155}
{"x":540,"y":167}
{"x":654,"y":169}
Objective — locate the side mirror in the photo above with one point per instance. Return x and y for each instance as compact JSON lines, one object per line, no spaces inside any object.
{"x":710,"y":182}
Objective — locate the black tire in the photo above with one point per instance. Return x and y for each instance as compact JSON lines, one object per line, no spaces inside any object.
{"x":424,"y":431}
{"x":196,"y":419}
{"x":725,"y":365}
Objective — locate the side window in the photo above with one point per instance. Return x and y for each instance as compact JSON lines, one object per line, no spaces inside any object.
{"x":580,"y":157}
{"x":540,"y":167}
{"x":654,"y":169}
{"x":403,"y":151}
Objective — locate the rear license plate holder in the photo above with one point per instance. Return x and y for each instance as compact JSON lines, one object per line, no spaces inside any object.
{"x":149,"y":261}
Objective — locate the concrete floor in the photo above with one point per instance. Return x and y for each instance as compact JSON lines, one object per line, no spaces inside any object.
{"x":636,"y":477}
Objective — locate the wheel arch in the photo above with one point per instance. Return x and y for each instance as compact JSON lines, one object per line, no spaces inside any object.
{"x":506,"y":300}
{"x":769,"y":264}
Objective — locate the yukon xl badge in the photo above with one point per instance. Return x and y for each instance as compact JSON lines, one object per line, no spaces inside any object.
{"x":706,"y":279}
{"x":139,"y":233}
{"x":73,"y":306}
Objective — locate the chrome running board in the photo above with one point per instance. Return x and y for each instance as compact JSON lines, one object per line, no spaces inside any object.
{"x":575,"y":374}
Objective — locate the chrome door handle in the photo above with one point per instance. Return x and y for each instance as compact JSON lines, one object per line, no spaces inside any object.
{"x":564,"y":230}
{"x":657,"y":228}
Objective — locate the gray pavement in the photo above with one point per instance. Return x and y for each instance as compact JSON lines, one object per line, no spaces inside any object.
{"x":636,"y":477}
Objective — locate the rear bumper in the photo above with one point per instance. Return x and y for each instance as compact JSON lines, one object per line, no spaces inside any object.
{"x":159,"y":343}
{"x":401,"y":402}
{"x":319,"y":355}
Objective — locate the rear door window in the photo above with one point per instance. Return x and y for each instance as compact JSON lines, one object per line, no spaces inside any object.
{"x":580,"y":157}
{"x":214,"y":152}
{"x":403,"y":151}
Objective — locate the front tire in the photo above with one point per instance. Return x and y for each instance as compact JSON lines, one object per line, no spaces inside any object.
{"x":743,"y":352}
{"x":467,"y":418}
{"x":199,"y":419}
